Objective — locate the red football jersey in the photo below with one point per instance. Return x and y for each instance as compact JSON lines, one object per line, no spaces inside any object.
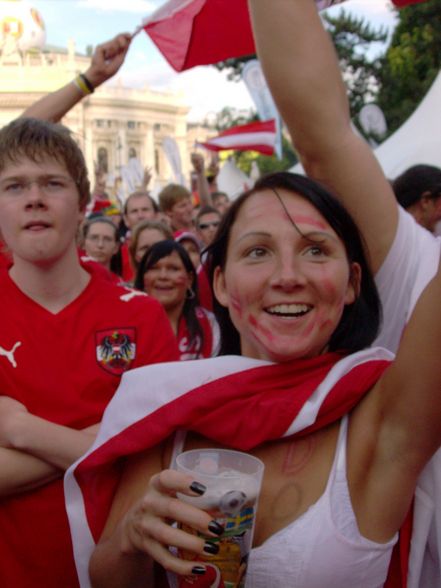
{"x":65,"y":367}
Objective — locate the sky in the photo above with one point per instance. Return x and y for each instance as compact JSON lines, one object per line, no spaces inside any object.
{"x":206,"y":91}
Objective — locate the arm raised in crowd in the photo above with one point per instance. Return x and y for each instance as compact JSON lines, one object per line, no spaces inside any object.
{"x":302,"y":70}
{"x":106,"y":61}
{"x":203,"y":188}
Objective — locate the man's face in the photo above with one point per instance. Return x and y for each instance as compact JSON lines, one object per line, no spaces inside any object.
{"x":181,"y":215}
{"x":139,"y":208}
{"x":39,"y":210}
{"x":206,"y":227}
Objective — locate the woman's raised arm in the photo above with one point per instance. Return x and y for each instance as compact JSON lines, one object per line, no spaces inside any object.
{"x":302,"y":71}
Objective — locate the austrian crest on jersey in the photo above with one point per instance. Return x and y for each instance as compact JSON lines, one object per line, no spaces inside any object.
{"x":116,"y":349}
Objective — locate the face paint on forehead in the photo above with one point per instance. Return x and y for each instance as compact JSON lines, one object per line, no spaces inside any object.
{"x":299,"y":218}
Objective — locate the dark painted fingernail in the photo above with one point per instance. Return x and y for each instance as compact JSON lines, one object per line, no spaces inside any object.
{"x":198,"y":488}
{"x":211,"y":548}
{"x":215,"y":528}
{"x":198,"y":570}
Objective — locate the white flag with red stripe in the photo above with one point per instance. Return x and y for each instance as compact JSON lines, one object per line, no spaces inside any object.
{"x":258,"y":136}
{"x":201,"y":32}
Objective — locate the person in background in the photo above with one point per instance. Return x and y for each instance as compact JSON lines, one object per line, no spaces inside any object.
{"x":138,"y":207}
{"x":203,"y":190}
{"x":221,"y":202}
{"x":100,"y":241}
{"x":166,"y":273}
{"x":418,"y":190}
{"x":67,"y":337}
{"x":144,"y":235}
{"x":175,"y":201}
{"x":192,"y":245}
{"x":207,"y":222}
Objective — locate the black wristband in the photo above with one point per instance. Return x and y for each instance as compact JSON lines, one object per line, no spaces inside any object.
{"x":88,"y":84}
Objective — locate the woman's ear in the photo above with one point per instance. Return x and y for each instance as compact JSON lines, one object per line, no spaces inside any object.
{"x":219,"y":287}
{"x":354,"y":283}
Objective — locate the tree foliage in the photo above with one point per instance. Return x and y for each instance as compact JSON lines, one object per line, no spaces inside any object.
{"x":411,"y":62}
{"x":353,"y":37}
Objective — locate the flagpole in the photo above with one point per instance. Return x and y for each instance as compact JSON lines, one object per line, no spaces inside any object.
{"x":137,"y":31}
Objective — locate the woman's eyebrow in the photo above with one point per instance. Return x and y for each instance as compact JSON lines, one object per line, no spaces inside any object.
{"x":323,"y":235}
{"x":254,"y":234}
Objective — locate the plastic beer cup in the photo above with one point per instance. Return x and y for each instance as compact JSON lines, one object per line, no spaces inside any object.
{"x":233,"y":481}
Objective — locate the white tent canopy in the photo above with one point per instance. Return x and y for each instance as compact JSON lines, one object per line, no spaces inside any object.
{"x":417,"y":141}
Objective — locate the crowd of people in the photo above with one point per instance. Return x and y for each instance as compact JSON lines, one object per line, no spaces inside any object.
{"x":299,"y":323}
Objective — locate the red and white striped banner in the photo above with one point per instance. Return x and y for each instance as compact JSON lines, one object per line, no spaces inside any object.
{"x":257,"y":136}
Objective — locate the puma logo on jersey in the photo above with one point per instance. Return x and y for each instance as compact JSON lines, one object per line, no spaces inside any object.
{"x":10,"y":354}
{"x":131,"y":294}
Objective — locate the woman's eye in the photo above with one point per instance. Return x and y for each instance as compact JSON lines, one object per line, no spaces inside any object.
{"x":316,"y":250}
{"x":256,"y":252}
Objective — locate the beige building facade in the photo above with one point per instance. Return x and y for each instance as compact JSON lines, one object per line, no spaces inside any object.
{"x":112,"y":125}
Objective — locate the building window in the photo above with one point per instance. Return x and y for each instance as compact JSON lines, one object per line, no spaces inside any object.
{"x":157,"y":161}
{"x":131,"y":124}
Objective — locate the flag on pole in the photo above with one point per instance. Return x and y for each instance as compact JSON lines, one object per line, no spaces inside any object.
{"x":203,"y":32}
{"x":257,"y":136}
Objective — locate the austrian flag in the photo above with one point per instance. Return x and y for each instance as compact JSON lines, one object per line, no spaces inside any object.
{"x":202,"y":32}
{"x":257,"y":136}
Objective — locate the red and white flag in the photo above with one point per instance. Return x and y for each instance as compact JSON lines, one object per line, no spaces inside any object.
{"x":203,"y":32}
{"x":210,"y":397}
{"x":257,"y":136}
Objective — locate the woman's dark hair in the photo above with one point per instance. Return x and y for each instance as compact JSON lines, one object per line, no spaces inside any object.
{"x":150,"y":258}
{"x":360,"y":321}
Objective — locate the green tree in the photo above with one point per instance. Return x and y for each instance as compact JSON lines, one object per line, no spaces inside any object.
{"x":353,"y":37}
{"x":411,"y":62}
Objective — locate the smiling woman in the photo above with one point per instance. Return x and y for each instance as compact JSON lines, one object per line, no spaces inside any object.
{"x":310,"y":255}
{"x":166,"y":272}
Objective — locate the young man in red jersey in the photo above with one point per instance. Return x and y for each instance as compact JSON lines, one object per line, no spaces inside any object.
{"x":67,"y":336}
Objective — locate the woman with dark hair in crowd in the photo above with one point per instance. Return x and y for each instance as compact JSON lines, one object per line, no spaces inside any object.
{"x":144,"y":235}
{"x":166,"y":272}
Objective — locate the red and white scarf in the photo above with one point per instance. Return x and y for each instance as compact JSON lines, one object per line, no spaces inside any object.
{"x":236,"y":401}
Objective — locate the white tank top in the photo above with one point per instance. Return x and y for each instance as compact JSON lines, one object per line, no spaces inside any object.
{"x":323,"y":548}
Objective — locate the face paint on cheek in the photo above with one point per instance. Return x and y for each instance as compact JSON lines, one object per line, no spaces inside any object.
{"x":236,"y":305}
{"x":181,"y":280}
{"x":265,"y":332}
